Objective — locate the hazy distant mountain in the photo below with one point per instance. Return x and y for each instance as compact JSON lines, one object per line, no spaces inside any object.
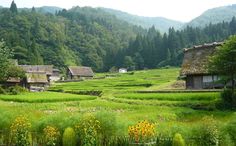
{"x":160,"y":23}
{"x":48,"y":9}
{"x":214,"y":16}
{"x":44,"y":9}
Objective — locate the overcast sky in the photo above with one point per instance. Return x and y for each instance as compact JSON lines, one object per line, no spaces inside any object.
{"x":182,"y":10}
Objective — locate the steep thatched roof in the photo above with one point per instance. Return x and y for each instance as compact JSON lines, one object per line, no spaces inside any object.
{"x":38,"y":68}
{"x":81,"y":71}
{"x":196,"y":59}
{"x":36,"y":77}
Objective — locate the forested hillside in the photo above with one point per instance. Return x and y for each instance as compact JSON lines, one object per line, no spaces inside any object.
{"x":93,"y":37}
{"x":79,"y":36}
{"x":215,"y":15}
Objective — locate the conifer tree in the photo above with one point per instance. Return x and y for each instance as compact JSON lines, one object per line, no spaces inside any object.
{"x":13,"y":7}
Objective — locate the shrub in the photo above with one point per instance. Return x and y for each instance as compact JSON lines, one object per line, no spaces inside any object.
{"x":14,"y":90}
{"x":228,"y":99}
{"x":51,"y":135}
{"x":88,"y":130}
{"x":108,"y":126}
{"x":119,"y":141}
{"x":226,"y":140}
{"x":178,"y":140}
{"x":163,"y":140}
{"x":208,"y":132}
{"x":231,"y":129}
{"x":142,"y":132}
{"x":19,"y":131}
{"x":69,"y":137}
{"x":2,"y":91}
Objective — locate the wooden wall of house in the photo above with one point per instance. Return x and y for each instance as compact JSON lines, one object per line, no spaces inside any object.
{"x":194,"y":82}
{"x":197,"y":82}
{"x":189,"y":82}
{"x":69,"y":75}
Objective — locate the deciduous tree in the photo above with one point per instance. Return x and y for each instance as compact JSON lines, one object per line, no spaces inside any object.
{"x":224,"y":60}
{"x":5,"y":54}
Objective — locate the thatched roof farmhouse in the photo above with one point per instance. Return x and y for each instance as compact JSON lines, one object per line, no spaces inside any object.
{"x":47,"y":69}
{"x":194,"y":67}
{"x":79,"y":72}
{"x":37,"y":76}
{"x":36,"y":81}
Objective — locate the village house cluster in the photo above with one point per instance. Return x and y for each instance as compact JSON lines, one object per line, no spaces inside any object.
{"x":194,"y":71}
{"x":39,"y":77}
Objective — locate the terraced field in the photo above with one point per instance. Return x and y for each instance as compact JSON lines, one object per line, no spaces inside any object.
{"x":124,"y":96}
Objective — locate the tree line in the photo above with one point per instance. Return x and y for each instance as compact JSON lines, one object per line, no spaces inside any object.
{"x":93,"y":37}
{"x":153,"y":49}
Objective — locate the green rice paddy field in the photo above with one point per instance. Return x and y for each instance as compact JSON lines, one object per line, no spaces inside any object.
{"x":173,"y":112}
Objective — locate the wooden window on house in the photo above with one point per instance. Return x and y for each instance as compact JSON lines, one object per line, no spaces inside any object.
{"x":216,"y":78}
{"x":207,"y":79}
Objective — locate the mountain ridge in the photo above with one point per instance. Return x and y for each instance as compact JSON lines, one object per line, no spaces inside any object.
{"x":161,"y":23}
{"x":213,"y":16}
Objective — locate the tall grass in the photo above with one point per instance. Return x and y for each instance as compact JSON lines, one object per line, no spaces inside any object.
{"x":45,"y":97}
{"x":171,"y":96}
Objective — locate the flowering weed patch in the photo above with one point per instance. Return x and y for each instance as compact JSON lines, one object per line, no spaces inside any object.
{"x":20,"y":131}
{"x":51,"y":135}
{"x":142,"y":132}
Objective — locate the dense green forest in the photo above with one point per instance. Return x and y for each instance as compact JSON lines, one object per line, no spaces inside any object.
{"x":155,"y":50}
{"x":93,"y":37}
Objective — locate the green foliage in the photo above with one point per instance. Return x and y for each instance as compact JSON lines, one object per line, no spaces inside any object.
{"x":15,"y":72}
{"x":231,"y":129}
{"x":113,"y":69}
{"x":208,"y":132}
{"x":69,"y":137}
{"x":5,"y":54}
{"x":119,"y":141}
{"x":228,"y":99}
{"x":14,"y":90}
{"x":225,"y":139}
{"x":51,"y":136}
{"x":20,"y":131}
{"x":178,"y":140}
{"x":223,"y":61}
{"x":2,"y":90}
{"x":74,"y":37}
{"x":88,"y":130}
{"x":129,"y":63}
{"x":108,"y":126}
{"x":13,"y":7}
